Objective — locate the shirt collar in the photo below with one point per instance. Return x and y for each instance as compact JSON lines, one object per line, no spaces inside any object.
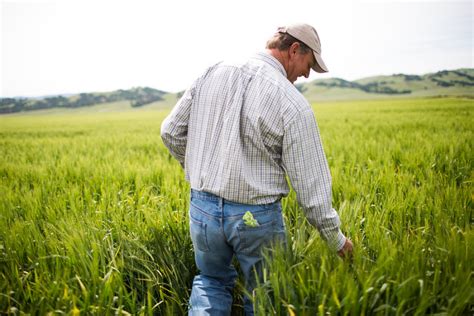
{"x":272,"y":61}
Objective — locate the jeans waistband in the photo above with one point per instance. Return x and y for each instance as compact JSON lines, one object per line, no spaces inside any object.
{"x":204,"y":195}
{"x":215,"y":198}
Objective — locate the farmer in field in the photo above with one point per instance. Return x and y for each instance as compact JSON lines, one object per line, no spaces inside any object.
{"x":238,"y":131}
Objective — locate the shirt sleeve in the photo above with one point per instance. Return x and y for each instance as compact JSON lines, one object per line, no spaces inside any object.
{"x":174,"y":129}
{"x":306,"y":165}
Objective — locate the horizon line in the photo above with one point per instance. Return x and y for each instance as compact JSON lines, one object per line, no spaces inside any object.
{"x":43,"y":96}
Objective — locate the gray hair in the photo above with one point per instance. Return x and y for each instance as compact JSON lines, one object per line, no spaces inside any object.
{"x":283,"y":41}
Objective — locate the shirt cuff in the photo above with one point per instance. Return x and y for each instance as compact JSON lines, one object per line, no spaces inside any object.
{"x":337,"y":242}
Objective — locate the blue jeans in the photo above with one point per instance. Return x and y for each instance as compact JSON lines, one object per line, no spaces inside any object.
{"x":218,"y":233}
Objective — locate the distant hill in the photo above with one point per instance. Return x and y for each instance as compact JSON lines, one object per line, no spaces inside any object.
{"x":443,"y":83}
{"x":135,"y":97}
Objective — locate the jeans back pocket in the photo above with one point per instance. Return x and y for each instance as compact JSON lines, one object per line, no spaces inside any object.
{"x":199,"y":235}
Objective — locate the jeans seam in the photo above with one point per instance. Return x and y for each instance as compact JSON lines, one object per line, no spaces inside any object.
{"x":264,"y":211}
{"x":202,"y":212}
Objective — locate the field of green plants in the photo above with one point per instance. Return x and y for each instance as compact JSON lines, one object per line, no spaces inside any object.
{"x":93,"y":216}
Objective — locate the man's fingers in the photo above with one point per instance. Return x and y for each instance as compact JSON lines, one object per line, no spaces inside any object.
{"x":346,"y":250}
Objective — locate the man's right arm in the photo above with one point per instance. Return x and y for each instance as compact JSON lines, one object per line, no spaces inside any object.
{"x":305,"y":163}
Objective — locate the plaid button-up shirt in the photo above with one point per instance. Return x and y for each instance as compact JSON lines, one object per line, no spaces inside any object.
{"x":241,"y":128}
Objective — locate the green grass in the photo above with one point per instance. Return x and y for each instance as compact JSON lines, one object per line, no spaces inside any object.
{"x":93,"y":215}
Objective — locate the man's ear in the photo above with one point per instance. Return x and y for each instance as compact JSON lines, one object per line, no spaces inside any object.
{"x":294,"y":49}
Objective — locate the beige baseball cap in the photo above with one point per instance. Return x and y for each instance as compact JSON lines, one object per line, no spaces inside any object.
{"x":308,"y":35}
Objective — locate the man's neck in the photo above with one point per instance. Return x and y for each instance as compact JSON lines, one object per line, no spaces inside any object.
{"x":280,"y":56}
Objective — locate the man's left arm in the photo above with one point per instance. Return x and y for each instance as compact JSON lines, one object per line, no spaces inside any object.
{"x":174,"y":129}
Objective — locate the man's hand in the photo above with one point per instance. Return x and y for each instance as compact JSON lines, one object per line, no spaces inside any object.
{"x":346,"y":251}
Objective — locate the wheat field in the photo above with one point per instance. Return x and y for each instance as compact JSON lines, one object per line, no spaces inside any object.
{"x":93,"y":216}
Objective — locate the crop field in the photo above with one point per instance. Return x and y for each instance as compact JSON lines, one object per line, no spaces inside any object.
{"x":94,"y":219}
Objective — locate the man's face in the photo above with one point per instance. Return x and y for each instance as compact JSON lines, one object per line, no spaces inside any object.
{"x":299,"y":65}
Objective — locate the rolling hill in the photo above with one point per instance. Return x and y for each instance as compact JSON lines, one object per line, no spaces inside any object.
{"x":131,"y":98}
{"x":443,"y":83}
{"x":458,"y":82}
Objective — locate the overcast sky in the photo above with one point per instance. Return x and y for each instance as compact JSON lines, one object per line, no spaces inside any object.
{"x":69,"y":46}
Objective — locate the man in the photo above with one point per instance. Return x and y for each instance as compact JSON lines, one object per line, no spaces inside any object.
{"x":238,"y":131}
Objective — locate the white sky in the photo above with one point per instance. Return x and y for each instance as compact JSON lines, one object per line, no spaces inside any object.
{"x":70,"y":46}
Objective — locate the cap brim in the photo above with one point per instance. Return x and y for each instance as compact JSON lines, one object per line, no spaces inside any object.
{"x":319,"y":65}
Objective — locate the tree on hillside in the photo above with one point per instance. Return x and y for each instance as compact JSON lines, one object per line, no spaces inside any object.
{"x":84,"y":99}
